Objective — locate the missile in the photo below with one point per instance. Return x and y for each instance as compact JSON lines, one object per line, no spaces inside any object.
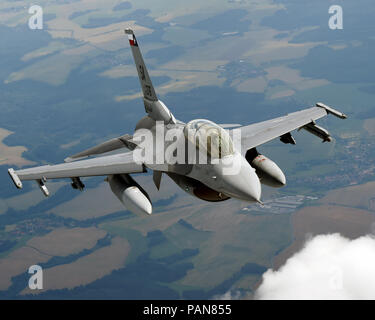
{"x":332,"y":111}
{"x":16,"y":180}
{"x":43,"y":187}
{"x":320,"y":132}
{"x":268,"y":171}
{"x":130,"y":193}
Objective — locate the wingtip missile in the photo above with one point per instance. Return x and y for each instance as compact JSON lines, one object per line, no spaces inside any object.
{"x":16,"y":180}
{"x":332,"y":111}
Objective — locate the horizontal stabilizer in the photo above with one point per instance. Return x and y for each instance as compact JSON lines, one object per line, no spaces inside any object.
{"x":229,"y":125}
{"x":124,"y":141}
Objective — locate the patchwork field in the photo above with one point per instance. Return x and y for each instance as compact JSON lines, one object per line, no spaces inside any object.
{"x":23,"y":200}
{"x":324,"y":219}
{"x":11,"y":155}
{"x":86,"y":269}
{"x":60,"y":242}
{"x":361,"y":196}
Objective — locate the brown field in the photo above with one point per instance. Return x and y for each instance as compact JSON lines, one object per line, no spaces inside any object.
{"x":86,"y":269}
{"x":184,"y":76}
{"x":361,"y":196}
{"x":62,"y":242}
{"x":227,"y":246}
{"x":18,"y":262}
{"x":53,"y":70}
{"x":161,"y":220}
{"x":293,"y":78}
{"x":310,"y":221}
{"x":92,"y":203}
{"x":24,"y":200}
{"x":11,"y":155}
{"x":235,"y":240}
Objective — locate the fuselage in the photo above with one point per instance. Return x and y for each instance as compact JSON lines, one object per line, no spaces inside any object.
{"x":216,"y":177}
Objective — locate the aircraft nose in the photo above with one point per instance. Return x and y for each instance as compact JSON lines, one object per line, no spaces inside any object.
{"x":244,"y":185}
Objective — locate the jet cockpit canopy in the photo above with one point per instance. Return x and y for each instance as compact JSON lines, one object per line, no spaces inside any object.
{"x":209,"y":137}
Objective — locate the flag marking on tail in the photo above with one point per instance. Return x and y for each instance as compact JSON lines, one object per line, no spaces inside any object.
{"x":132,"y":40}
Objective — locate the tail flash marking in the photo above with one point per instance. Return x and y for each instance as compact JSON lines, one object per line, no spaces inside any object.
{"x":132,"y":40}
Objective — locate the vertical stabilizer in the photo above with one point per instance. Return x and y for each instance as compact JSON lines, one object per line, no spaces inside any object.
{"x":153,"y":106}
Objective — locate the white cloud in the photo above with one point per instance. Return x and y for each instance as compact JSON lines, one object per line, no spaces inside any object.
{"x":229,"y":295}
{"x":328,"y":267}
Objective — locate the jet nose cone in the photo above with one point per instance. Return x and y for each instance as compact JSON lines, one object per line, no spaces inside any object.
{"x":248,"y":186}
{"x":244,"y":185}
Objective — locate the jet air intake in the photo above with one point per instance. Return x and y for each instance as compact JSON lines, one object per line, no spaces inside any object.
{"x":267,"y":171}
{"x":130,"y":193}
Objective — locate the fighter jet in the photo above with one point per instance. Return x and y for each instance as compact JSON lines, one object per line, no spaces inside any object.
{"x":207,"y":180}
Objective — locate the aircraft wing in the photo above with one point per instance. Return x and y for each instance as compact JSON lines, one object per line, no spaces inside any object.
{"x":256,"y":134}
{"x":106,"y":165}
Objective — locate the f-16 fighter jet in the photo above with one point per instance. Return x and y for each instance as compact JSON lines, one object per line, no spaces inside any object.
{"x":200,"y":156}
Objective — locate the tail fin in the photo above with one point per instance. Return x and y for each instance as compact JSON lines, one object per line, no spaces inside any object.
{"x":144,"y":78}
{"x":154,"y":107}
